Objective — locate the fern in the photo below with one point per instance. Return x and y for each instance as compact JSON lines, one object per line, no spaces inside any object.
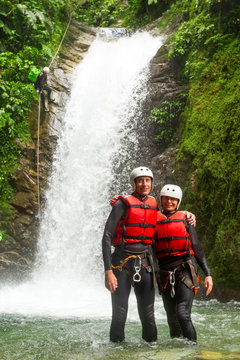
{"x":28,"y":14}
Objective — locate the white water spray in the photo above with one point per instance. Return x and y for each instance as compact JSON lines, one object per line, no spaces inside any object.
{"x":68,"y":277}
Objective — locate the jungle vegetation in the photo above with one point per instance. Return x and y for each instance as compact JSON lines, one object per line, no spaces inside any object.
{"x":204,"y":56}
{"x":30,"y":32}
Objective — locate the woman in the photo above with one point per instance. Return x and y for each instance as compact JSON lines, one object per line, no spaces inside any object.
{"x":175,"y":246}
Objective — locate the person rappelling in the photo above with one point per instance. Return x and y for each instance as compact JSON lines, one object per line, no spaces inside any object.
{"x":41,"y":85}
{"x":176,"y":246}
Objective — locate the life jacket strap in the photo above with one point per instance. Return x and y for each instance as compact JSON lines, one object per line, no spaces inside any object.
{"x":141,"y":225}
{"x":140,"y":237}
{"x":167,"y":221}
{"x":143,"y":206}
{"x":171,"y":238}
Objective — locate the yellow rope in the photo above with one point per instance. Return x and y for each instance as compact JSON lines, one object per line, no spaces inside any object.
{"x":124,"y":262}
{"x":70,"y":18}
{"x":38,"y":147}
{"x":39,"y":111}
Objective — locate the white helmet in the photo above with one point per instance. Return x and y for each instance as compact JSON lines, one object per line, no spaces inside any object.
{"x":173,"y":191}
{"x":46,"y":70}
{"x":140,"y":171}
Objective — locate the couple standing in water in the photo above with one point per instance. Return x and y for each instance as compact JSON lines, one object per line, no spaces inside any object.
{"x":152,"y":245}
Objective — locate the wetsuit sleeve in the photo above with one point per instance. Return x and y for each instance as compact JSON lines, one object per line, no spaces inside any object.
{"x":198,"y":250}
{"x":118,"y":213}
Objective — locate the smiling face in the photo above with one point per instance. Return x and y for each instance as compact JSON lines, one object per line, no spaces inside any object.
{"x":169,"y":203}
{"x":143,"y":185}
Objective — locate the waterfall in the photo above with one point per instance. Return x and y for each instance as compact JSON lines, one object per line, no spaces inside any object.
{"x":99,"y":135}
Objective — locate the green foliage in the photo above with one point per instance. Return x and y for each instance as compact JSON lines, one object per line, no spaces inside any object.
{"x":30,"y":32}
{"x":210,"y":143}
{"x":167,"y":119}
{"x":204,"y":51}
{"x":98,"y":12}
{"x":8,"y":162}
{"x":133,"y":13}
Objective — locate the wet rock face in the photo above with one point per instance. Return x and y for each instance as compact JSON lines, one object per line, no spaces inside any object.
{"x":163,"y":168}
{"x":19,"y":246}
{"x":163,"y":87}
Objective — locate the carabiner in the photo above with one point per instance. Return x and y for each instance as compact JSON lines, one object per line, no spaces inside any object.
{"x":137,"y":277}
{"x":172,"y":283}
{"x":172,"y":278}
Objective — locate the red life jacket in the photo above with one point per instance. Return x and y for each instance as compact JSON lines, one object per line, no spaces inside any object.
{"x":139,"y":224}
{"x":173,"y":238}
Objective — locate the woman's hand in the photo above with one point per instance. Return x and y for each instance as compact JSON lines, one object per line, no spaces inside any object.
{"x":110,"y":281}
{"x":208,"y":284}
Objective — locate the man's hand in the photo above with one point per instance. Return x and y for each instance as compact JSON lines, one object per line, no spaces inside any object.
{"x":208,"y":284}
{"x":110,"y":281}
{"x":191,"y":218}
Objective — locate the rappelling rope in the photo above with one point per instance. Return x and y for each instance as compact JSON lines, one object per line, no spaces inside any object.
{"x":38,"y":147}
{"x":70,"y":18}
{"x":39,"y":113}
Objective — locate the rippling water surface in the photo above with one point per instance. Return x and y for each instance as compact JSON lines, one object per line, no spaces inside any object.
{"x":54,"y":338}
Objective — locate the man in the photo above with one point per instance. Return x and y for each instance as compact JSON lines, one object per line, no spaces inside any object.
{"x":130,"y":228}
{"x":41,"y":86}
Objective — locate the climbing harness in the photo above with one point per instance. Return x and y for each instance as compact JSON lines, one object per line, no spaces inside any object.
{"x":165,"y":277}
{"x":194,"y":284}
{"x":39,"y":112}
{"x":138,"y":265}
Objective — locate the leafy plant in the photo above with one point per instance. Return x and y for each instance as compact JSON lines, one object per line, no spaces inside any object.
{"x":30,"y":31}
{"x":167,"y":118}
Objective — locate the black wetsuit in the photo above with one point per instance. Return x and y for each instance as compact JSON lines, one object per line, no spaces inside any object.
{"x":41,"y":84}
{"x":179,"y":307}
{"x":144,"y":290}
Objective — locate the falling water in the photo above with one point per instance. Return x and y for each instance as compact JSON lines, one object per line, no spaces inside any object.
{"x":63,"y":312}
{"x":110,"y":85}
